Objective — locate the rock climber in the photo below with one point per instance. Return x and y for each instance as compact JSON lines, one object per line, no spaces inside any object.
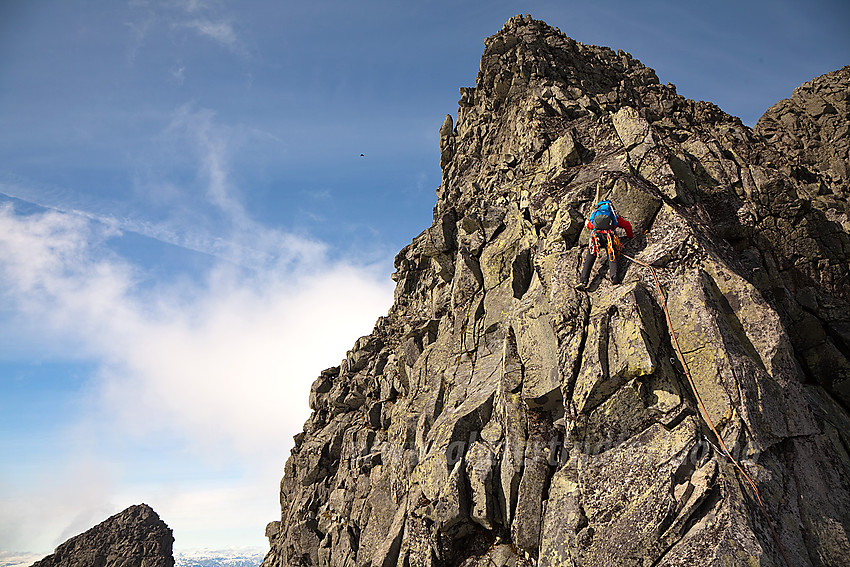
{"x":602,"y":222}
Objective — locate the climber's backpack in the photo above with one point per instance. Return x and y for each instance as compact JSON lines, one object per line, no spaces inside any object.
{"x":604,"y":217}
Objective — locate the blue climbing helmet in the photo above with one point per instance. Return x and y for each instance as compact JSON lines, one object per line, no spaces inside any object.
{"x":603,"y":216}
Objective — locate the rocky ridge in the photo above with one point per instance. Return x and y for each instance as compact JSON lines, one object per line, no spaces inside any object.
{"x":811,"y":129}
{"x":136,"y":537}
{"x":497,"y":416}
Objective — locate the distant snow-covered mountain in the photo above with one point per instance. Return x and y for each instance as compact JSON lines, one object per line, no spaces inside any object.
{"x":219,"y":558}
{"x":9,"y":559}
{"x":202,"y":558}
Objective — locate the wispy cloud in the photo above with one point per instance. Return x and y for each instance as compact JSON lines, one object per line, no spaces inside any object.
{"x":178,"y":72}
{"x":211,"y":21}
{"x":219,"y":365}
{"x":247,"y":242}
{"x":206,"y":19}
{"x":222,"y":32}
{"x":206,"y":215}
{"x":140,"y":27}
{"x":195,"y":5}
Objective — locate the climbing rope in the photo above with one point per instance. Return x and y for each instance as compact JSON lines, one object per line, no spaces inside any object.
{"x":613,"y":243}
{"x":704,"y":411}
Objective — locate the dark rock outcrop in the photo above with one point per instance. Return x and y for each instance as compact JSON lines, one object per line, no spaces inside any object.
{"x":812,"y":129}
{"x":497,"y":416}
{"x":136,"y":537}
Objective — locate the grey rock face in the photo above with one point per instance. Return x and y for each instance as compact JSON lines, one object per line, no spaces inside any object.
{"x":811,"y":128}
{"x":136,"y":537}
{"x":497,"y":416}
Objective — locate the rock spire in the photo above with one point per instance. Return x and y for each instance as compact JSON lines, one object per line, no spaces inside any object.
{"x":497,"y":416}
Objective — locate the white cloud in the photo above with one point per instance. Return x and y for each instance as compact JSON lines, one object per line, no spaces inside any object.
{"x":55,"y":503}
{"x":222,"y":366}
{"x":214,"y":370}
{"x":221,"y":32}
{"x":209,"y":21}
{"x":195,"y":5}
{"x":233,"y":365}
{"x":235,"y":512}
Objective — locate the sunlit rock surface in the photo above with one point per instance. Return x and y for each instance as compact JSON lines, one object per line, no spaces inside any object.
{"x":497,"y":416}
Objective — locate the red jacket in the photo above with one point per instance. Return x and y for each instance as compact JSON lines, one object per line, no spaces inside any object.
{"x":621,"y":222}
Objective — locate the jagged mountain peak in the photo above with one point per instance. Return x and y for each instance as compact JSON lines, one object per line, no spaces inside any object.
{"x":534,"y":84}
{"x":527,"y":50}
{"x":134,"y":537}
{"x":498,"y":415}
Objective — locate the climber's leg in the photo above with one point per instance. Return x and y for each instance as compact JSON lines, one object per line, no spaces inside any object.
{"x":612,"y":270}
{"x":589,"y":259}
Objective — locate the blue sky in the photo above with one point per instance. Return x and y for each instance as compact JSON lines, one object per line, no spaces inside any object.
{"x":189,"y":234}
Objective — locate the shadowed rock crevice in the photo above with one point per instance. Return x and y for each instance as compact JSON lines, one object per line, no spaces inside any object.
{"x":496,"y":415}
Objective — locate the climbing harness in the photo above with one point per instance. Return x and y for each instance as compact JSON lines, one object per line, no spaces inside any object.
{"x":613,"y":243}
{"x":704,"y":412}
